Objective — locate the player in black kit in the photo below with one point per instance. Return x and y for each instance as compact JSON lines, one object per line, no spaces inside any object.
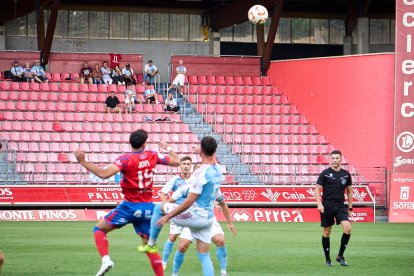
{"x":334,"y":181}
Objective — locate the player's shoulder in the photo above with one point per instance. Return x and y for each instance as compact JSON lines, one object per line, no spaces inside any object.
{"x":345,"y":171}
{"x":326,"y":171}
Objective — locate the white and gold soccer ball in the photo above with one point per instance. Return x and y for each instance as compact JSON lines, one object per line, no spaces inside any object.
{"x":258,"y":14}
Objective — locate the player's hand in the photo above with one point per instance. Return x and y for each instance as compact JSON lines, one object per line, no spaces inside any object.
{"x":217,"y":206}
{"x":164,"y":145}
{"x":350,"y":213}
{"x":163,"y":220}
{"x":321,"y":209}
{"x":232,"y":228}
{"x":80,"y":155}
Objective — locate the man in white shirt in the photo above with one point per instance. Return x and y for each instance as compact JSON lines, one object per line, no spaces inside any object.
{"x":171,"y":104}
{"x":128,"y":74}
{"x":18,"y":72}
{"x":150,"y":71}
{"x":39,"y":73}
{"x":179,"y":80}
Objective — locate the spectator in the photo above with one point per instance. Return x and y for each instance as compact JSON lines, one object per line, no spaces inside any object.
{"x":129,"y":103}
{"x":39,"y":73}
{"x":112,"y":103}
{"x":128,"y":74}
{"x":179,"y":80}
{"x":86,"y":73}
{"x":150,"y":71}
{"x":18,"y":72}
{"x":117,"y":76}
{"x":171,"y":104}
{"x":97,"y":75}
{"x":28,"y":72}
{"x":106,"y":72}
{"x":150,"y":95}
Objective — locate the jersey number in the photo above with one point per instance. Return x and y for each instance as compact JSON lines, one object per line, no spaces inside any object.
{"x":144,"y":178}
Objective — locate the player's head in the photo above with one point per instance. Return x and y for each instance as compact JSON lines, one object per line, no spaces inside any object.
{"x":138,"y":139}
{"x":208,"y":146}
{"x":185,"y":164}
{"x":196,"y":166}
{"x":16,"y":63}
{"x":336,"y":158}
{"x":127,"y":65}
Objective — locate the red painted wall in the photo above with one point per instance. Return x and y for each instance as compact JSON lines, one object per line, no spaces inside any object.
{"x":349,"y":99}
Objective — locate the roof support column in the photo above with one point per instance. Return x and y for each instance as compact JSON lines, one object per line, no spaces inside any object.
{"x":277,"y":12}
{"x":47,"y":45}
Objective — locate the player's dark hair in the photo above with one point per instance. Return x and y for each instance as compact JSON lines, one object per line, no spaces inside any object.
{"x":149,"y":61}
{"x":138,"y":138}
{"x":336,"y":152}
{"x":185,"y":158}
{"x":208,"y":145}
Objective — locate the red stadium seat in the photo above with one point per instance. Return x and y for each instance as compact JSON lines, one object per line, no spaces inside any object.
{"x":211,"y":80}
{"x":202,"y":80}
{"x":229,"y":80}
{"x":193,"y":80}
{"x":247,"y":81}
{"x":56,"y":77}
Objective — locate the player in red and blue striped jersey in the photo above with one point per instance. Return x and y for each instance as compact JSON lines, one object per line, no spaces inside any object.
{"x":137,"y":207}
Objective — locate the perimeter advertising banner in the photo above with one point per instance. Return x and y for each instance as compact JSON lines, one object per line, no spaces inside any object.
{"x":402,"y":198}
{"x":42,"y":195}
{"x":238,"y":214}
{"x":404,"y":88}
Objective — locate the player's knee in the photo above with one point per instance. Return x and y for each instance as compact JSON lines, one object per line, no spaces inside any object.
{"x":326,"y":232}
{"x":172,"y":238}
{"x":347,"y":228}
{"x":219,"y":242}
{"x":182,"y":247}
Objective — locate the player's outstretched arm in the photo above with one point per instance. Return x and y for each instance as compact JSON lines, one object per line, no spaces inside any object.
{"x":318,"y":189}
{"x":103,"y":173}
{"x":191,"y":198}
{"x":226,"y":213}
{"x":174,"y":158}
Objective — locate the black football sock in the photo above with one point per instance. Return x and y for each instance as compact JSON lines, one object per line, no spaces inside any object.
{"x":326,"y":245}
{"x":344,"y":242}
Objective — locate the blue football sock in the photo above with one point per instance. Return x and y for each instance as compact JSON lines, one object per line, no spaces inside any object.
{"x":222,"y":256}
{"x":168,"y":246}
{"x":208,"y":269}
{"x":155,"y":230}
{"x":178,"y":261}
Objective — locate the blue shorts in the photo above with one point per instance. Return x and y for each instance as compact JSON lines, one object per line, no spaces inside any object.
{"x":137,"y":213}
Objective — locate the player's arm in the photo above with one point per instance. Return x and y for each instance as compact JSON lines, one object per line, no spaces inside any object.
{"x":191,"y":198}
{"x":174,"y":158}
{"x":226,"y":212}
{"x":166,"y":189}
{"x":103,"y":173}
{"x":318,"y":190}
{"x":349,"y":194}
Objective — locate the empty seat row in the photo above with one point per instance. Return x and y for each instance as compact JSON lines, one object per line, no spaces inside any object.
{"x":233,"y":90}
{"x":280,"y":149}
{"x":62,"y":96}
{"x":268,"y":138}
{"x":83,"y":117}
{"x":258,"y":119}
{"x":238,"y":99}
{"x":246,"y":109}
{"x":229,"y":80}
{"x":66,"y":87}
{"x":73,"y":107}
{"x":94,"y":137}
{"x":283,"y":159}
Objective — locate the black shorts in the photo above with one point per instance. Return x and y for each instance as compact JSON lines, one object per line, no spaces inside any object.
{"x":333,"y":212}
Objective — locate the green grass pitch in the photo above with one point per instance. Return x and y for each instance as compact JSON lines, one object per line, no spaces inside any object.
{"x":67,"y":248}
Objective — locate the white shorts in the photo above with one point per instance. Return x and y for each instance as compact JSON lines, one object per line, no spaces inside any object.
{"x":175,"y":229}
{"x":215,"y":230}
{"x":179,"y":80}
{"x":200,"y":226}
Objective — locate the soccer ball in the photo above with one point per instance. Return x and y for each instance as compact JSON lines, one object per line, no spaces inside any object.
{"x":258,"y":14}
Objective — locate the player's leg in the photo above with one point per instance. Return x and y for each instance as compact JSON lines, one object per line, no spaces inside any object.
{"x":201,"y":230}
{"x":155,"y":229}
{"x":142,"y":223}
{"x":1,"y":259}
{"x":343,"y":219}
{"x":175,"y":230}
{"x":327,"y":221}
{"x":221,"y":249}
{"x":185,"y":241}
{"x":102,"y":244}
{"x":203,"y":252}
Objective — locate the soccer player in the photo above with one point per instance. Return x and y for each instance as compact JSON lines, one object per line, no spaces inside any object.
{"x":172,"y":185}
{"x":204,"y":189}
{"x":137,"y":208}
{"x":334,"y":181}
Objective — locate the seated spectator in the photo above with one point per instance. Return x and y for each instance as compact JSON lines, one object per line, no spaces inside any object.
{"x":28,"y":72}
{"x":150,"y":71}
{"x":171,"y":104}
{"x":106,"y":72}
{"x":149,"y":94}
{"x":179,"y":80}
{"x":39,"y":73}
{"x":129,"y":103}
{"x":112,"y":103}
{"x":86,"y":73}
{"x":117,"y":76}
{"x":97,"y":75}
{"x":128,"y":74}
{"x":18,"y":72}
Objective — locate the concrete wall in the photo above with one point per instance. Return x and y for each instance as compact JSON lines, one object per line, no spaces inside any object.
{"x":159,"y":51}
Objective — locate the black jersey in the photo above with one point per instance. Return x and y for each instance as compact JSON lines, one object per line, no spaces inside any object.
{"x":334,"y":184}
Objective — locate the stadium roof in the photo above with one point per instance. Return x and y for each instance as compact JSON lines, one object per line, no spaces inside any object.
{"x":221,"y":13}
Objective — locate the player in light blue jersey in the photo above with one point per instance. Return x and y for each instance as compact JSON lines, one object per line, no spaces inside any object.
{"x":173,"y":185}
{"x":197,"y":211}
